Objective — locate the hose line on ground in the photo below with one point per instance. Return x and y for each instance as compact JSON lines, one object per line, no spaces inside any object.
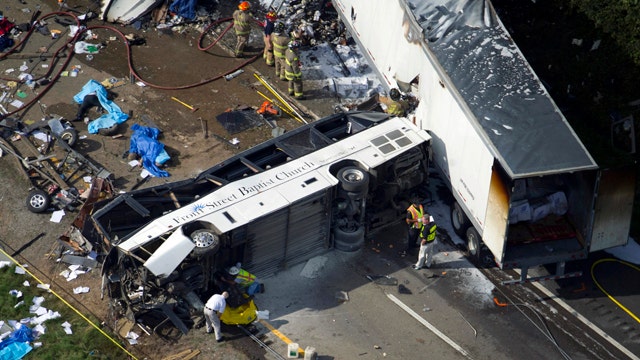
{"x":634,"y":316}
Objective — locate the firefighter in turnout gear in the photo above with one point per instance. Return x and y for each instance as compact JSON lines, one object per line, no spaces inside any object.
{"x":280,"y":42}
{"x":292,"y":70}
{"x":269,"y":26}
{"x":242,"y":25}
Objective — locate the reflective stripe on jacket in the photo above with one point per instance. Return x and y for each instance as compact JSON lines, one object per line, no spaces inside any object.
{"x":292,"y":70}
{"x":242,"y":22}
{"x":280,"y":43}
{"x":415,"y":215}
{"x":245,"y":278}
{"x":432,"y":231}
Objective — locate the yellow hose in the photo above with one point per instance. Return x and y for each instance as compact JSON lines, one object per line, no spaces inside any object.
{"x":634,"y":316}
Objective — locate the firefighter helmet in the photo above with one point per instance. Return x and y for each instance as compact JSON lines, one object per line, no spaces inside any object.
{"x":279,"y":27}
{"x":294,"y":44}
{"x":244,"y":6}
{"x":394,"y":94}
{"x":271,"y":15}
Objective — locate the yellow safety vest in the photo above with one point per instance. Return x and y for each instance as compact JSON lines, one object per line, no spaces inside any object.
{"x":415,"y":215}
{"x":395,"y":108}
{"x":432,"y":232}
{"x":245,"y":278}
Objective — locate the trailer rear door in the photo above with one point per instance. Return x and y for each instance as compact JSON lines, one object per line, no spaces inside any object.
{"x":613,"y":208}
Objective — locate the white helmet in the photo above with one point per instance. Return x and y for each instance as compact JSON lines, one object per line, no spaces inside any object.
{"x":234,"y":270}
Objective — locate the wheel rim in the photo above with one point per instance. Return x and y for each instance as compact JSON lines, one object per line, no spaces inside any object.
{"x":37,"y":201}
{"x":455,"y":218}
{"x":204,"y":239}
{"x":472,"y":244}
{"x":66,"y":137}
{"x":353,"y":175}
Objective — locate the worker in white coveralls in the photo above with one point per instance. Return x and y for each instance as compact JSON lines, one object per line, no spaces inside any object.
{"x":427,"y":242}
{"x":213,"y":309}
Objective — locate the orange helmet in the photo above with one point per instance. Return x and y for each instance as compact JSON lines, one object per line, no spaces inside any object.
{"x":271,"y":15}
{"x":244,"y":6}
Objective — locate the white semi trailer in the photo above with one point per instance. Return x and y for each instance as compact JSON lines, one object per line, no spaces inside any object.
{"x":525,"y":187}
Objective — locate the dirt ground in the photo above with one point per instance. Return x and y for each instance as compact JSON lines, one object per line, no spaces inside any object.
{"x":170,"y":64}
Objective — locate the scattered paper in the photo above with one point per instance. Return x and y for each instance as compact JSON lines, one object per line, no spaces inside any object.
{"x":234,"y":141}
{"x":19,"y":303}
{"x":16,"y":293}
{"x":4,"y":263}
{"x":132,"y":337}
{"x":81,"y":290}
{"x":144,"y":173}
{"x":44,"y":286}
{"x":26,"y":283}
{"x":87,"y":179}
{"x":67,"y":328}
{"x":134,"y":163}
{"x":56,"y":217}
{"x":16,"y":103}
{"x":20,"y":270}
{"x":38,"y":300}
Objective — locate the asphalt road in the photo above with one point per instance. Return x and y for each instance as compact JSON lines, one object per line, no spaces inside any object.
{"x":371,"y":304}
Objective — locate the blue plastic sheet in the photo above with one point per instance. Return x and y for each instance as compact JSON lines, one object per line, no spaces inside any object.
{"x":16,"y":346}
{"x":184,"y":8}
{"x":144,"y":142}
{"x":114,"y":114}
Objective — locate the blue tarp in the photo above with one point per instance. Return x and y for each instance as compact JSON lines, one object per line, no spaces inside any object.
{"x":184,"y":8}
{"x":144,"y":142}
{"x":16,"y":346}
{"x":114,"y":116}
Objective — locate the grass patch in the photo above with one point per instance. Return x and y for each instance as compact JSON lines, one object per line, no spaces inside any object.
{"x":86,"y":342}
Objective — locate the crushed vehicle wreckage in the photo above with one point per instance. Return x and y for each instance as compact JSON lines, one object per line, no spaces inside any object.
{"x":326,"y":185}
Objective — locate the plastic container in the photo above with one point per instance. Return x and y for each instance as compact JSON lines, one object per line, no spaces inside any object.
{"x":292,"y":351}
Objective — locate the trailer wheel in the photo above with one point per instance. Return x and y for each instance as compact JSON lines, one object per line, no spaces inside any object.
{"x":348,"y":240}
{"x":70,"y":136}
{"x":353,"y":179}
{"x":473,"y":244}
{"x":459,"y":220}
{"x":38,"y":201}
{"x":206,"y":242}
{"x":111,"y":130}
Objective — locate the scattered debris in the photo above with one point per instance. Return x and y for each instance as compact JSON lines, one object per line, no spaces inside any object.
{"x":342,"y":296}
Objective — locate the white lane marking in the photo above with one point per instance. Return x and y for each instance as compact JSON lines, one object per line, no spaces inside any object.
{"x":584,"y":320}
{"x":429,"y":326}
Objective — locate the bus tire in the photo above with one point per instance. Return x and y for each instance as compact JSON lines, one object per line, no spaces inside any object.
{"x":353,"y":179}
{"x":348,"y":241}
{"x":459,"y":220}
{"x":206,"y":242}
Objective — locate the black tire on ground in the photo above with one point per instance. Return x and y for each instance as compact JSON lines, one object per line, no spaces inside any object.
{"x":38,"y":200}
{"x":348,"y":241}
{"x":70,"y":136}
{"x":353,"y":179}
{"x":459,"y":220}
{"x":206,"y":242}
{"x":473,"y":244}
{"x":111,"y":130}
